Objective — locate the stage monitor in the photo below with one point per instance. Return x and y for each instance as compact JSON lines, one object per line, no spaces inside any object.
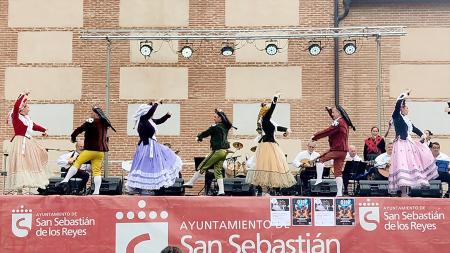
{"x":373,"y":188}
{"x":237,"y":187}
{"x":176,"y":189}
{"x":328,"y":187}
{"x":434,"y":190}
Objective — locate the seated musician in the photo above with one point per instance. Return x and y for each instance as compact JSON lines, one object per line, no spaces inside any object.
{"x":352,"y":156}
{"x":380,"y":171}
{"x":66,"y":160}
{"x":439,"y":156}
{"x":306,"y":159}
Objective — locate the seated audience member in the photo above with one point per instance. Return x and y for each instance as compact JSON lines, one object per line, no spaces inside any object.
{"x":66,"y":160}
{"x":171,"y":249}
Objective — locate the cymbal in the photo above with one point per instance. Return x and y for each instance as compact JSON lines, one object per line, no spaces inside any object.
{"x":238,"y":145}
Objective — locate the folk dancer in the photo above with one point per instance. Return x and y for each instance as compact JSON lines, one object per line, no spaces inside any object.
{"x":27,"y":159}
{"x":271,"y":169}
{"x":219,"y":145}
{"x":338,"y":139}
{"x":154,"y":165}
{"x":412,"y":163}
{"x":95,"y":146}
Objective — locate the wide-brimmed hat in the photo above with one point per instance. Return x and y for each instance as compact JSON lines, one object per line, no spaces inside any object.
{"x":103,"y":117}
{"x":345,"y":117}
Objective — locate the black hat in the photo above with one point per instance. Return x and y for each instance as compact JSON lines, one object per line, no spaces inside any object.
{"x":103,"y":117}
{"x":345,"y":117}
{"x":224,"y":119}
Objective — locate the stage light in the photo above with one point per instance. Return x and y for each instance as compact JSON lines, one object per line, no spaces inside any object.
{"x":271,"y":48}
{"x":146,"y":48}
{"x":186,"y":52}
{"x":227,"y":50}
{"x":315,"y":48}
{"x":350,"y":47}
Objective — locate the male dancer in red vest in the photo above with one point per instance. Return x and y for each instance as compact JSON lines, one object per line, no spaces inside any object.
{"x":338,"y":139}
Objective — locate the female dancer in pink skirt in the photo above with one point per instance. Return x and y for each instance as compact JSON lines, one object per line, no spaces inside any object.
{"x":412,"y":163}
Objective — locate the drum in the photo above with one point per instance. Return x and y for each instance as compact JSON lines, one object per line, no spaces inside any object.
{"x":231,"y":169}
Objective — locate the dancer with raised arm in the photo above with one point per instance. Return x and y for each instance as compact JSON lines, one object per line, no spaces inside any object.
{"x":95,"y":146}
{"x":338,"y":139}
{"x":154,"y":165}
{"x":270,"y":169}
{"x":219,"y":145}
{"x":412,"y":163}
{"x":27,"y":159}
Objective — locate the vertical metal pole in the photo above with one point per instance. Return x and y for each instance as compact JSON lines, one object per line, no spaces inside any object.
{"x":379,"y":101}
{"x":108,"y":74}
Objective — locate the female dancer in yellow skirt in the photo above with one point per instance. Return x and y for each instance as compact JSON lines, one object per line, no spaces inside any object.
{"x":271,"y":169}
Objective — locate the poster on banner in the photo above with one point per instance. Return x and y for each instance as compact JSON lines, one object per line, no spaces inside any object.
{"x":324,"y":212}
{"x":345,"y":212}
{"x":301,"y":212}
{"x":280,"y":212}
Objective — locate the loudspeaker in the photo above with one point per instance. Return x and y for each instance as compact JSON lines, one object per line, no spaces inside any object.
{"x":176,"y":189}
{"x":373,"y":188}
{"x":111,"y":186}
{"x":328,"y":187}
{"x":237,"y":187}
{"x":432,"y":191}
{"x":295,"y":190}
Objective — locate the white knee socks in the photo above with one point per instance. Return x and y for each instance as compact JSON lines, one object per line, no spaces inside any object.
{"x":97,"y":183}
{"x":72,"y":171}
{"x":319,"y":172}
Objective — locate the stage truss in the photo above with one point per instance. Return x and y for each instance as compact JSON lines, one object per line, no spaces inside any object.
{"x":376,"y":32}
{"x":243,"y":34}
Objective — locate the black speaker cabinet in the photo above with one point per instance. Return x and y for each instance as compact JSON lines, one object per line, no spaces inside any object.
{"x":111,"y":186}
{"x":237,"y":187}
{"x":176,"y":189}
{"x":326,"y":188}
{"x":373,"y":188}
{"x":432,"y":191}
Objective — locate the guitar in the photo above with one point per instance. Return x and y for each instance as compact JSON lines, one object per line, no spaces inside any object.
{"x":384,"y":171}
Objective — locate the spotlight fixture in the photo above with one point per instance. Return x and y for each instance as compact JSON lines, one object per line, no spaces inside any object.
{"x":227,"y":50}
{"x":350,"y":47}
{"x":315,"y":48}
{"x":186,"y":52}
{"x":271,"y":48}
{"x":146,"y":48}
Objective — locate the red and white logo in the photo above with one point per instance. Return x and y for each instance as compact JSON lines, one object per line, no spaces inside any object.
{"x":141,"y":231}
{"x":369,"y":215}
{"x":21,"y":221}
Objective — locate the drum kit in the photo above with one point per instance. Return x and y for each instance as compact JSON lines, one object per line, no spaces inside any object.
{"x":233,"y":168}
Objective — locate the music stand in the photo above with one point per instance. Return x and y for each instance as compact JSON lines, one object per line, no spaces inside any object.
{"x":351,"y":170}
